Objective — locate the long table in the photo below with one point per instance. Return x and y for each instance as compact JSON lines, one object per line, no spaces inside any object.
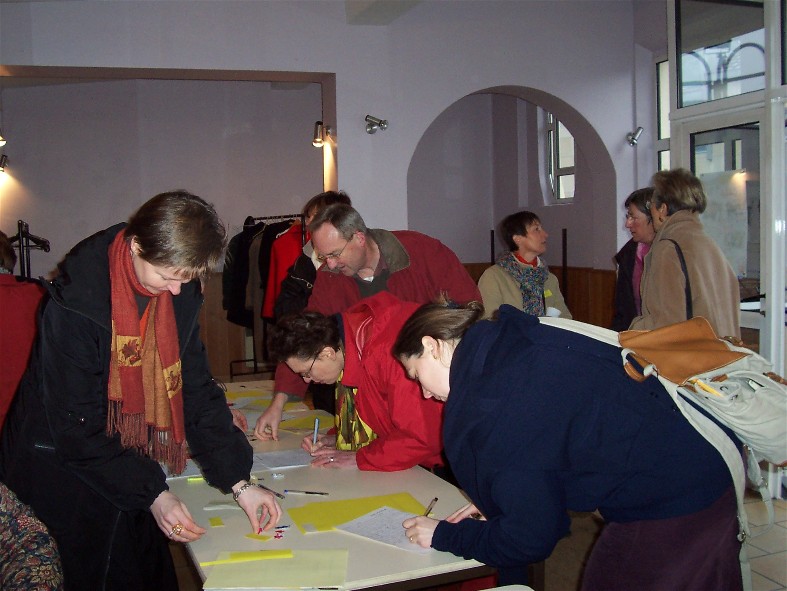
{"x":370,"y":564}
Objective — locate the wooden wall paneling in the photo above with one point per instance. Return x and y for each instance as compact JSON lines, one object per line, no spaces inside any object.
{"x":224,"y":341}
{"x":590,"y":295}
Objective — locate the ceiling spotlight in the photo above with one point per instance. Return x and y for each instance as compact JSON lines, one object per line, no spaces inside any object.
{"x":633,"y":137}
{"x":373,"y":124}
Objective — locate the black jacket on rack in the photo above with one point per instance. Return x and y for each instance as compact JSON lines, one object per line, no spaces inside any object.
{"x":235,"y":276}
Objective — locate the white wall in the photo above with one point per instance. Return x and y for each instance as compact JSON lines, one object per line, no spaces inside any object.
{"x":85,"y":156}
{"x":408,"y":72}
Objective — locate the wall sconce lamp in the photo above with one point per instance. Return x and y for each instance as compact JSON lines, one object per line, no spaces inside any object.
{"x":373,"y":124}
{"x":633,"y":137}
{"x":2,"y":139}
{"x":321,"y":132}
{"x":3,"y":162}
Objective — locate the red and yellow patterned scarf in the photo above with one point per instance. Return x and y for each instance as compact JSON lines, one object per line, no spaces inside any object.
{"x":145,"y":383}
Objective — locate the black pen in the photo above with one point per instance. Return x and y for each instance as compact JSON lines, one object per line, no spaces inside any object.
{"x":430,"y":507}
{"x":278,"y":494}
{"x":304,"y":492}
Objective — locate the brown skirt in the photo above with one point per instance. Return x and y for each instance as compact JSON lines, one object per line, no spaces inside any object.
{"x":693,"y":552}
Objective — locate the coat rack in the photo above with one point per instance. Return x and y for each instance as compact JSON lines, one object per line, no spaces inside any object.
{"x":27,"y":242}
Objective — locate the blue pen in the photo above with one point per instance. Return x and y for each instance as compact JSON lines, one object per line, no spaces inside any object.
{"x":316,"y":428}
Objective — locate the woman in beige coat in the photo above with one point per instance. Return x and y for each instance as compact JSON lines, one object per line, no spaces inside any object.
{"x":519,"y":277}
{"x":714,"y":292}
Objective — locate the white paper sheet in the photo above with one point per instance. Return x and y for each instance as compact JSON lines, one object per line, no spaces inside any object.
{"x":384,"y":525}
{"x":290,"y":458}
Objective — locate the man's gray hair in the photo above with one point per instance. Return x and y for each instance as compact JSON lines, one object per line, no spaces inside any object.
{"x":342,"y":217}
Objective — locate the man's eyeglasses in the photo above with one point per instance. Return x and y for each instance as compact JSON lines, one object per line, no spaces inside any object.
{"x":333,"y":255}
{"x":308,"y":374}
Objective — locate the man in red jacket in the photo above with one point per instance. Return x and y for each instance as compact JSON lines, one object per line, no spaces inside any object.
{"x":359,"y":262}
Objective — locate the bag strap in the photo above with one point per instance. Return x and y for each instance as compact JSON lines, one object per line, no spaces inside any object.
{"x":682,"y":259}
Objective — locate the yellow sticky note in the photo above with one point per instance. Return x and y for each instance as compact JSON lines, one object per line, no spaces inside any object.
{"x":195,"y":479}
{"x":258,"y":537}
{"x":248,"y":556}
{"x":216,"y":522}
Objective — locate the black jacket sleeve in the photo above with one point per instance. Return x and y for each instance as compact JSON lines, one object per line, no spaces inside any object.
{"x":221,"y":449}
{"x":296,"y":287}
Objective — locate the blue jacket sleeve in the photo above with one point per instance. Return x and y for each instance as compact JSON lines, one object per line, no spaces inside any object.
{"x":526,"y":518}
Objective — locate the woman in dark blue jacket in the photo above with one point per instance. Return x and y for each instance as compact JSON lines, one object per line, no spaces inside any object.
{"x":541,"y":421}
{"x":118,"y":384}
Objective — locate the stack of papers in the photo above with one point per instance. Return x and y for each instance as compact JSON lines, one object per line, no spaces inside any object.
{"x":300,"y":569}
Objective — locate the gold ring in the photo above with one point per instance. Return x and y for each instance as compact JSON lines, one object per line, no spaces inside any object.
{"x":176,"y":529}
{"x":331,"y":459}
{"x":411,"y":538}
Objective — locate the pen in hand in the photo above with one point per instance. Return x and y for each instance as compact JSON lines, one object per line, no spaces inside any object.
{"x":278,"y":494}
{"x":430,"y":507}
{"x":316,"y":428}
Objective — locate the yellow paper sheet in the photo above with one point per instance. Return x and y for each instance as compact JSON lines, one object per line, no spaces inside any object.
{"x":235,"y":393}
{"x":248,"y":556}
{"x":306,"y":569}
{"x":304,"y":422}
{"x":258,"y":537}
{"x":325,"y":515}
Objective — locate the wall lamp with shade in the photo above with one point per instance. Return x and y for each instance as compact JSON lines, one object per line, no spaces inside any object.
{"x":2,"y":139}
{"x":3,"y":162}
{"x":633,"y":137}
{"x":373,"y":124}
{"x":321,"y":133}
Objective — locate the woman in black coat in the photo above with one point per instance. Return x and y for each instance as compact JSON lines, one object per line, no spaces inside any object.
{"x":631,"y":258}
{"x":118,"y":384}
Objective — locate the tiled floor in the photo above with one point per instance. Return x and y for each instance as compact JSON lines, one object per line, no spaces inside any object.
{"x":767,"y":552}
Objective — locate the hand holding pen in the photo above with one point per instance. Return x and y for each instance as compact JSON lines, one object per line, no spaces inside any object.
{"x":419,"y":530}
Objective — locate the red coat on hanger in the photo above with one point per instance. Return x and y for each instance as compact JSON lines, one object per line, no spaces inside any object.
{"x":286,"y":248}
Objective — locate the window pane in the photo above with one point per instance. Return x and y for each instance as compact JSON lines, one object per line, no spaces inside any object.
{"x":566,"y":186}
{"x":566,"y":148}
{"x":662,"y":82}
{"x":709,"y":158}
{"x":664,"y":160}
{"x":721,"y":47}
{"x":732,"y":217}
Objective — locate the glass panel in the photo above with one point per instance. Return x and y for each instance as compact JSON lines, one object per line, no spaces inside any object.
{"x":721,"y":48}
{"x":708,"y":158}
{"x":664,"y":160}
{"x":732,"y":217}
{"x":566,"y":147}
{"x":566,"y":186}
{"x":662,"y":83}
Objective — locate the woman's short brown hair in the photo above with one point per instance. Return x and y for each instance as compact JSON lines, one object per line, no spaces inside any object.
{"x":516,"y":224}
{"x":678,"y":189}
{"x":303,"y":335}
{"x":180,"y":231}
{"x":442,"y":320}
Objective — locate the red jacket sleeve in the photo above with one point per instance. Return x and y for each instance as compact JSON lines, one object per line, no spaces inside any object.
{"x":408,"y":426}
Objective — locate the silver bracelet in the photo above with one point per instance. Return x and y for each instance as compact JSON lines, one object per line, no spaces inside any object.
{"x":238,"y":492}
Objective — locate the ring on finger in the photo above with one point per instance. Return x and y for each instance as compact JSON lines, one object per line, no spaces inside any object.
{"x":331,"y":459}
{"x":176,"y":529}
